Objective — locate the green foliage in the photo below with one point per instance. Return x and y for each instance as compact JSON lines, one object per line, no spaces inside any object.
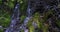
{"x":5,"y":16}
{"x":31,"y":29}
{"x":58,"y":22}
{"x":0,"y":1}
{"x":1,"y":30}
{"x":4,"y":19}
{"x":22,"y":18}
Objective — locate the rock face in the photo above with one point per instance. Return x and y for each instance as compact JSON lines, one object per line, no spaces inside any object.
{"x":15,"y":21}
{"x":42,"y":5}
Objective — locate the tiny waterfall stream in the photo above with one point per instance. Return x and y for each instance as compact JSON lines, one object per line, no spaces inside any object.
{"x":14,"y":26}
{"x":27,"y":18}
{"x":15,"y":21}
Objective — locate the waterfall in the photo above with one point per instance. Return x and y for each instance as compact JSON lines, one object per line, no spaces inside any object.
{"x":15,"y":22}
{"x":28,"y":17}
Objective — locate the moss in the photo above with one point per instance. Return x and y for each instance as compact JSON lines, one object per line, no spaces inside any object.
{"x":1,"y":30}
{"x":58,"y":22}
{"x":22,"y":18}
{"x":22,"y":31}
{"x":31,"y":29}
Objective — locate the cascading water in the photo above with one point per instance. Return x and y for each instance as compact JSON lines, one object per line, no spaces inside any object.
{"x":14,"y":26}
{"x":29,"y":16}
